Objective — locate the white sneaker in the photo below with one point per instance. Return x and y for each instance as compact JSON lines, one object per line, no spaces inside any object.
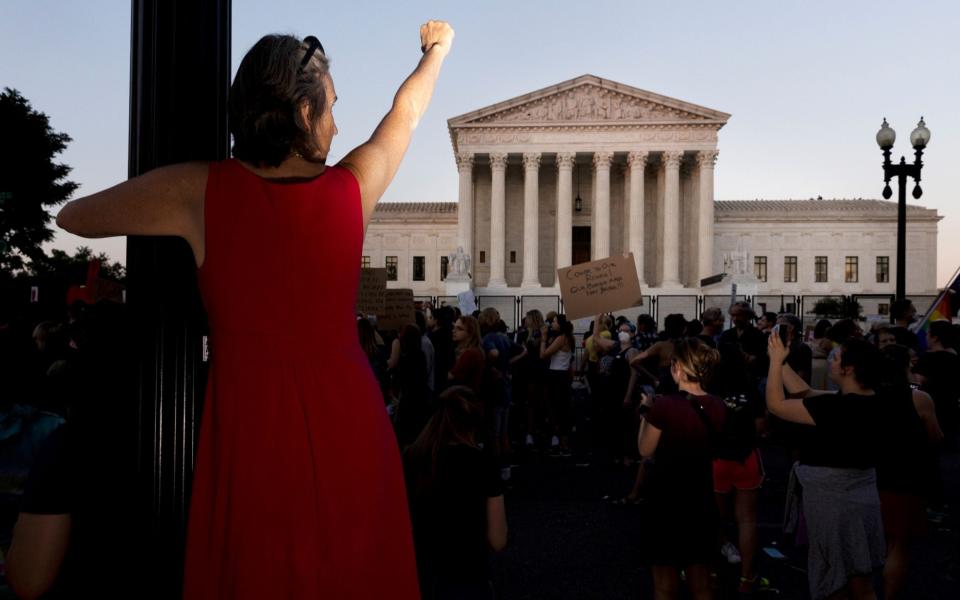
{"x":729,"y":552}
{"x":529,"y":441}
{"x":554,"y":442}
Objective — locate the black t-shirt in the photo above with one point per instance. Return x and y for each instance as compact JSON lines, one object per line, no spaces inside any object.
{"x":529,"y":370}
{"x":904,"y":460}
{"x":752,"y":341}
{"x":942,"y":372}
{"x":905,"y":337}
{"x":449,"y":512}
{"x":848,"y":432}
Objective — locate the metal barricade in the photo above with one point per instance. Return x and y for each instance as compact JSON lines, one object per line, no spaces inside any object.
{"x":505,"y":305}
{"x":778,"y":303}
{"x":685,"y":305}
{"x":544,"y":304}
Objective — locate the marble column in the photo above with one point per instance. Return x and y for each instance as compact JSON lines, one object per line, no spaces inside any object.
{"x":531,"y":219}
{"x":706,"y":160}
{"x":565,"y":162}
{"x":637,"y":163}
{"x":671,"y":219}
{"x":465,"y":204}
{"x":498,"y":219}
{"x":601,"y":205}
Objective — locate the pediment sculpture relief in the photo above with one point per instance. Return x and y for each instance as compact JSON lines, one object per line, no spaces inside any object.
{"x":588,"y":103}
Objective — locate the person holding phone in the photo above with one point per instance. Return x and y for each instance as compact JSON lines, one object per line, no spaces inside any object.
{"x":837,"y":468}
{"x":800,"y":359}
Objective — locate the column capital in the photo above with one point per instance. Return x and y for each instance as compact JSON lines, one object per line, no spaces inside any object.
{"x":707,"y":158}
{"x":672,"y":159}
{"x":531,"y":160}
{"x":602,"y":159}
{"x":566,"y":160}
{"x":464,"y":160}
{"x":638,"y":159}
{"x":498,"y":160}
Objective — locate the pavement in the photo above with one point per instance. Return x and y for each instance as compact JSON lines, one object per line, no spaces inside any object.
{"x":566,"y":542}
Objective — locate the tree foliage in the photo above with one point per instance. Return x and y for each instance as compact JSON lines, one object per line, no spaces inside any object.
{"x":837,"y":308}
{"x":30,"y":181}
{"x":73,"y":269}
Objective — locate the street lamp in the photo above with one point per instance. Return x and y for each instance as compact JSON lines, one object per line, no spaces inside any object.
{"x":918,"y":139}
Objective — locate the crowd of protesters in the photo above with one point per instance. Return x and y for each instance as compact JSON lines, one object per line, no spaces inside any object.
{"x":688,"y":409}
{"x":865,"y":416}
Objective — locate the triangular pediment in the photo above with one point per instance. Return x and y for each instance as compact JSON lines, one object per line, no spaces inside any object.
{"x":589,"y":99}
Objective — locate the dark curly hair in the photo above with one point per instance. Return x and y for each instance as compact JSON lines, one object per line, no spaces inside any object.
{"x":265,"y":118}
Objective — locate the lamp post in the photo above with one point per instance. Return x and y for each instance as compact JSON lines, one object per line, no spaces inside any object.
{"x":918,"y":139}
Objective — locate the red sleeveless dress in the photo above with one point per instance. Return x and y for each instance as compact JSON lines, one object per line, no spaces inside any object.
{"x":298,"y":490}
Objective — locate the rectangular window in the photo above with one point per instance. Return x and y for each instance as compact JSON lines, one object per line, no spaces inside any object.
{"x":419,"y":268}
{"x":760,"y":267}
{"x":789,"y":269}
{"x":883,"y":269}
{"x":391,"y":263}
{"x":851,"y":269}
{"x":364,"y":262}
{"x":820,"y":269}
{"x":883,"y":309}
{"x":483,"y":256}
{"x":513,"y":256}
{"x":444,"y":263}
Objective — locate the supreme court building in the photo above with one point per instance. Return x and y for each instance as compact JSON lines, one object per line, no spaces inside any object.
{"x":589,"y":168}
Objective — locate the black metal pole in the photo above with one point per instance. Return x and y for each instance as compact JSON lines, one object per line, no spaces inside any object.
{"x":901,"y":232}
{"x":179,"y":80}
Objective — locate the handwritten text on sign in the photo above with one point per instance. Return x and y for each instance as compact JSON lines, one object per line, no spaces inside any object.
{"x":397,"y":311}
{"x":603,"y":285}
{"x":372,"y":292}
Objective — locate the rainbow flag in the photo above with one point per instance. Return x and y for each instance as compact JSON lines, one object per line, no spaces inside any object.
{"x":945,"y":308}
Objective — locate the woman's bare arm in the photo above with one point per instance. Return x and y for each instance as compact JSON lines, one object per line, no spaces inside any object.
{"x":648,"y":439}
{"x":394,"y":358}
{"x":164,"y":201}
{"x":36,"y":553}
{"x":554,"y":347}
{"x":788,"y":410}
{"x":496,"y":523}
{"x":928,"y":414}
{"x":375,"y":162}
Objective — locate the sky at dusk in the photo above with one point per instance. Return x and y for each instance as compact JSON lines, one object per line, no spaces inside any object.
{"x":807,"y":83}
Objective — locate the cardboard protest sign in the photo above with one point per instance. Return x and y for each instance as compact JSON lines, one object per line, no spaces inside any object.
{"x":467,"y":301}
{"x":599,"y":286}
{"x":371,"y":294}
{"x":397,"y":310}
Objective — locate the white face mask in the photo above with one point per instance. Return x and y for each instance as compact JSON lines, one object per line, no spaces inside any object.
{"x":624,"y":337}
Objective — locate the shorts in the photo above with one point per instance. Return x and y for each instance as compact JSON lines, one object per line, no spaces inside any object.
{"x":904,"y":515}
{"x":730,"y":474}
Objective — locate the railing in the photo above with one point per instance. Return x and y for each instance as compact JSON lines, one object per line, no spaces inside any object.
{"x":875,"y":307}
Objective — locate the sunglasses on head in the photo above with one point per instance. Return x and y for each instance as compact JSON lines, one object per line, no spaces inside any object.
{"x":313,"y":45}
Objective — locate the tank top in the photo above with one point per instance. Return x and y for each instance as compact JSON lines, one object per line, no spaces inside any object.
{"x":561,"y":361}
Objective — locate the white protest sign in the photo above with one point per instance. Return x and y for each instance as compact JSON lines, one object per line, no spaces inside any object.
{"x":468,"y":303}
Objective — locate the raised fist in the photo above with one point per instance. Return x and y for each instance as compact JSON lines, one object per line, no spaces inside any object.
{"x":436,"y":33}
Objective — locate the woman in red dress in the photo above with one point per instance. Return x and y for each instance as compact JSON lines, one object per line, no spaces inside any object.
{"x":298,"y":489}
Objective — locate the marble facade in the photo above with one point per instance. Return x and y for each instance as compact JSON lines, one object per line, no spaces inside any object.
{"x":643,"y":166}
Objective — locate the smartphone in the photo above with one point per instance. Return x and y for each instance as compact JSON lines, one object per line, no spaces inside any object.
{"x":783,"y":332}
